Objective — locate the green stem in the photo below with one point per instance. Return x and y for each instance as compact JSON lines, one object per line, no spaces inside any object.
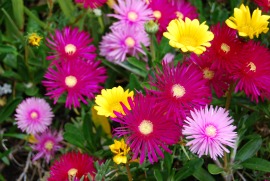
{"x":184,"y":150}
{"x":152,"y":48}
{"x":128,"y":172}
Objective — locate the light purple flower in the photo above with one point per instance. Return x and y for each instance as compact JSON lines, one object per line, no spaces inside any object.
{"x":33,"y":115}
{"x":209,"y":131}
{"x":47,"y":144}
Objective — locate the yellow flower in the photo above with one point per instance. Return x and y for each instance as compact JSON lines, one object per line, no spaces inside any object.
{"x":34,"y":39}
{"x":189,"y":35}
{"x":247,"y":25}
{"x":101,"y":121}
{"x":120,"y":149}
{"x":109,"y":101}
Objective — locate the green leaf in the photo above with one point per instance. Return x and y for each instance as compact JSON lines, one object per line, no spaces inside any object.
{"x":214,"y":169}
{"x":168,"y":160}
{"x":34,"y":17}
{"x":8,"y":49}
{"x":74,"y":135}
{"x":134,"y":83}
{"x":8,"y":110}
{"x":17,"y":6}
{"x":68,"y":8}
{"x":249,"y":149}
{"x":188,"y":169}
{"x":257,"y":164}
{"x":158,"y":175}
{"x":202,"y":175}
{"x":137,"y":63}
{"x":88,"y":132}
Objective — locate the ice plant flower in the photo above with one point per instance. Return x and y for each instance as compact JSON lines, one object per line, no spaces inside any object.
{"x":189,"y":35}
{"x":47,"y":144}
{"x":34,"y":39}
{"x":264,"y":4}
{"x":70,"y":44}
{"x":91,"y":3}
{"x":148,"y":132}
{"x":120,"y":149}
{"x":77,"y":79}
{"x":115,"y":46}
{"x":33,"y":115}
{"x":110,"y":101}
{"x":209,"y":131}
{"x":248,"y":25}
{"x":72,"y":166}
{"x":131,"y":12}
{"x":180,"y":89}
{"x":185,"y":9}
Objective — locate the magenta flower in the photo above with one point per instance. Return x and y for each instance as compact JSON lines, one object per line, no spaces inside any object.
{"x":146,"y":128}
{"x":132,"y":13}
{"x":115,"y":46}
{"x":47,"y":144}
{"x":264,"y":4}
{"x":91,"y":3}
{"x":180,"y":89}
{"x":33,"y":115}
{"x":72,"y":166}
{"x":209,"y":131}
{"x":78,"y":79}
{"x":185,"y":9}
{"x":70,"y":44}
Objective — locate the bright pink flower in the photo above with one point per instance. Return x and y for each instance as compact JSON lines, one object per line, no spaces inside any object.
{"x":70,"y":44}
{"x":146,"y":128}
{"x":185,"y":9}
{"x":264,"y":4}
{"x":209,"y":131}
{"x":47,"y":144}
{"x":33,"y":115}
{"x":77,"y":79}
{"x":91,"y":3}
{"x":72,"y":166}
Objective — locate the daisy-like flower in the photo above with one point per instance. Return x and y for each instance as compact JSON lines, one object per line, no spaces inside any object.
{"x":123,"y":41}
{"x":264,"y":4}
{"x":33,"y":115}
{"x":72,"y":166}
{"x":252,"y":73}
{"x":189,"y":35}
{"x":185,"y":9}
{"x":131,"y":12}
{"x":110,"y":100}
{"x":34,"y":39}
{"x":91,"y":3}
{"x":225,"y":47}
{"x":77,"y":79}
{"x":247,"y":25}
{"x":120,"y":149}
{"x":180,"y":89}
{"x":70,"y":44}
{"x":47,"y":144}
{"x":146,"y":128}
{"x":209,"y":131}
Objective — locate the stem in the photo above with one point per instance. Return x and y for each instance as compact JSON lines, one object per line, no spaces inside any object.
{"x":152,"y":48}
{"x":128,"y":172}
{"x":184,"y":150}
{"x":229,"y":96}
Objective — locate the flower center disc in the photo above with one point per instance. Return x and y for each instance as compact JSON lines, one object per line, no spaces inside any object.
{"x":130,"y":42}
{"x":252,"y":66}
{"x":157,"y":14}
{"x":179,"y":15}
{"x":211,"y":131}
{"x":70,"y":81}
{"x":70,"y":49}
{"x":34,"y":115}
{"x":208,"y":74}
{"x":132,"y":16}
{"x":72,"y":172}
{"x":178,"y":91}
{"x":188,"y":41}
{"x":49,"y":145}
{"x":146,"y":127}
{"x":225,"y":48}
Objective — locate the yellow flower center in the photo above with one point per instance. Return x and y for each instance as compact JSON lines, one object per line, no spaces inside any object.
{"x":49,"y":145}
{"x":132,"y":16}
{"x":178,"y":91}
{"x":146,"y":127}
{"x":157,"y":14}
{"x":70,"y":81}
{"x":252,"y":66}
{"x":70,"y":49}
{"x":208,"y":74}
{"x":179,"y":15}
{"x":34,"y":115}
{"x":225,"y":48}
{"x":130,"y":42}
{"x":211,"y":131}
{"x":188,"y":41}
{"x":72,"y":172}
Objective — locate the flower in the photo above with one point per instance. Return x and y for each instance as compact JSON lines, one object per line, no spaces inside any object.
{"x":110,"y":100}
{"x":5,"y":89}
{"x":180,"y":89}
{"x":77,"y":79}
{"x":91,"y":3}
{"x":120,"y":149}
{"x":252,"y":73}
{"x":70,"y":44}
{"x":47,"y":144}
{"x":71,"y":166}
{"x":246,"y":25}
{"x":189,"y":35}
{"x":33,"y":115}
{"x":34,"y":39}
{"x":264,"y":4}
{"x":101,"y":121}
{"x":115,"y":46}
{"x":209,"y":131}
{"x":185,"y":9}
{"x":225,"y":47}
{"x":146,"y":128}
{"x":131,"y":12}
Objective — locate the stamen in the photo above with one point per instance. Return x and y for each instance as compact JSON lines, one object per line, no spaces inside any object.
{"x":70,"y":81}
{"x":70,"y":49}
{"x":130,"y":42}
{"x":157,"y":14}
{"x":178,"y":91}
{"x":146,"y":127}
{"x":225,"y":48}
